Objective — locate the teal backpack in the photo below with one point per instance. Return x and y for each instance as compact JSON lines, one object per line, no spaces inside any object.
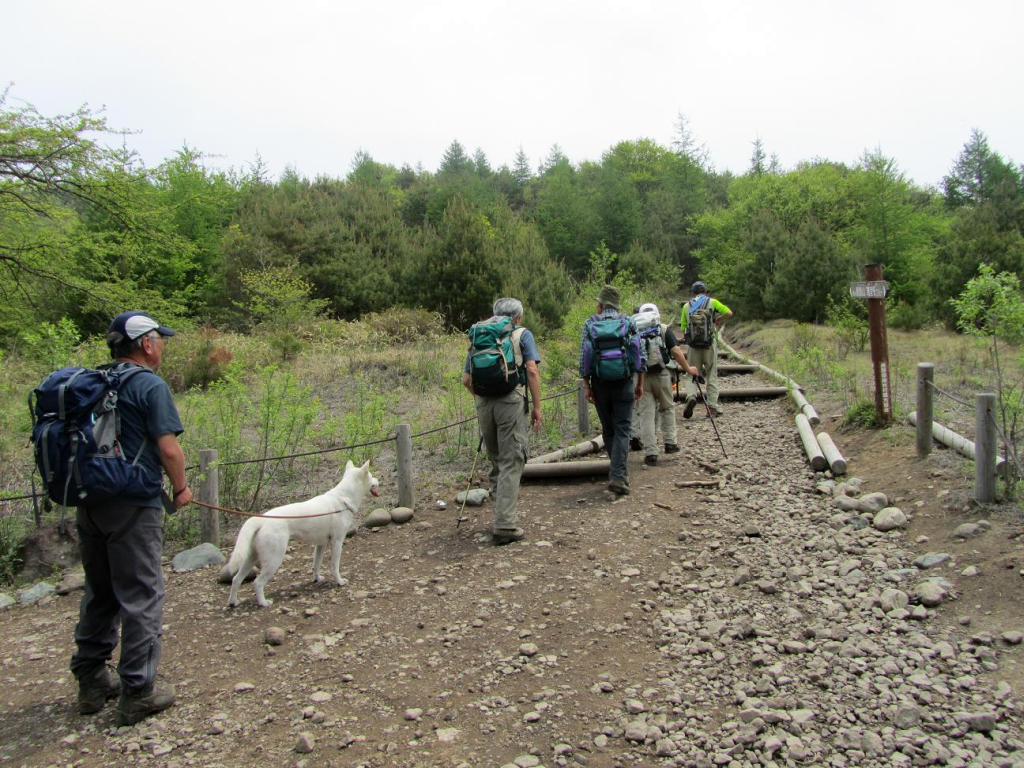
{"x":609,"y":348}
{"x":495,"y":359}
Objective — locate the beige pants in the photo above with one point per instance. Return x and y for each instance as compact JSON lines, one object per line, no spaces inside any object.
{"x":705,"y":361}
{"x":657,"y":401}
{"x":504,"y":427}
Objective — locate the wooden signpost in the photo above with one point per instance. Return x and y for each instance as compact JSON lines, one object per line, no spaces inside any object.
{"x":874,"y":289}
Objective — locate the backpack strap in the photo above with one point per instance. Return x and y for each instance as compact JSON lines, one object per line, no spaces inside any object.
{"x":122,"y":376}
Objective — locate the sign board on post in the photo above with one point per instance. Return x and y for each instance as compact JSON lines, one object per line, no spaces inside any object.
{"x":875,"y":289}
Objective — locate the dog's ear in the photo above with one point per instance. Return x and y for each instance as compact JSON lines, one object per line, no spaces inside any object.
{"x":349,"y":465}
{"x":366,"y":467}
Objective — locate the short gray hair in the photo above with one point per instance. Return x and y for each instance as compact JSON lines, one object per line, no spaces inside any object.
{"x":508,"y":308}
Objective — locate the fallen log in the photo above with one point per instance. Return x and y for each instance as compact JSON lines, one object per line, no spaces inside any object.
{"x":580,"y":449}
{"x":805,"y":408}
{"x":740,"y":393}
{"x":697,"y":483}
{"x":835,"y":459}
{"x":566,"y":469}
{"x":810,"y":442}
{"x":958,"y":443}
{"x":709,"y":467}
{"x":736,"y":368}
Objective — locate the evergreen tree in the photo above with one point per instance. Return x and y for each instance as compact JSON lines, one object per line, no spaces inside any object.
{"x":757,"y":158}
{"x":455,"y":160}
{"x":521,"y":170}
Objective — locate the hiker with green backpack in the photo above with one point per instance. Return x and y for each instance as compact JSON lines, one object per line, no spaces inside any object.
{"x":612,"y":366}
{"x":501,"y":373}
{"x":701,"y":318}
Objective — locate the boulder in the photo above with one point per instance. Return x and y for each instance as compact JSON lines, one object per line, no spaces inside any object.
{"x":204,"y":555}
{"x":36,"y":593}
{"x":872,"y":502}
{"x":400,"y":515}
{"x":889,"y":519}
{"x":377,"y":519}
{"x":474,"y":497}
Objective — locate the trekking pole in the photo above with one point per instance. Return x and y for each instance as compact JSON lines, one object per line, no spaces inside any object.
{"x":469,"y":482}
{"x":697,"y":380}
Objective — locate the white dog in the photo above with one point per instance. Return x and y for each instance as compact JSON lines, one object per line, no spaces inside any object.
{"x":266,"y":538}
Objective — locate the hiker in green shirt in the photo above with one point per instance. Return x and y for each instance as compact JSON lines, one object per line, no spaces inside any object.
{"x":701,"y":318}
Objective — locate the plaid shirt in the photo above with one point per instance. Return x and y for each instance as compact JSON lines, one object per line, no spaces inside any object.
{"x":636,"y":350}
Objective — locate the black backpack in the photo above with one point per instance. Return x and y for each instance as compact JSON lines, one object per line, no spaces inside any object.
{"x":76,"y":432}
{"x":700,"y":323}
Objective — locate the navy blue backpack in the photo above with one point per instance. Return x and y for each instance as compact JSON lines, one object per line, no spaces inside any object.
{"x":75,"y":438}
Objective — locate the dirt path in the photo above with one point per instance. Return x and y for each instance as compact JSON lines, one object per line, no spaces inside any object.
{"x":749,"y":625}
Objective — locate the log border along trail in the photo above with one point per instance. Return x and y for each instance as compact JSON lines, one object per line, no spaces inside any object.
{"x":774,"y":619}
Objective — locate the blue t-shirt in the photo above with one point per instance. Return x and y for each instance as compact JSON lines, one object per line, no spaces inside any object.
{"x":527,"y":345}
{"x":146,"y":409}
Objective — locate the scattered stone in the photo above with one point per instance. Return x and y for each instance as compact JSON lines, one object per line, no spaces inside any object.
{"x":36,"y":593}
{"x":931,"y":560}
{"x":447,"y":735}
{"x":872,"y":502}
{"x":636,"y":730}
{"x":204,"y":555}
{"x":929,"y":594}
{"x":305,"y":743}
{"x":74,"y":580}
{"x":893,"y":599}
{"x":378,"y":518}
{"x":401,"y":515}
{"x":528,"y":649}
{"x":752,"y":531}
{"x":6,"y":601}
{"x":979,"y":722}
{"x":320,"y":697}
{"x":243,"y":687}
{"x":907,"y":716}
{"x":474,"y":497}
{"x":970,"y":570}
{"x":274,"y":636}
{"x":1012,"y":637}
{"x":889,"y":519}
{"x":526,"y":761}
{"x":415,"y":713}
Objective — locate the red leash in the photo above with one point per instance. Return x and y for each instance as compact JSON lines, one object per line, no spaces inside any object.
{"x":268,"y":517}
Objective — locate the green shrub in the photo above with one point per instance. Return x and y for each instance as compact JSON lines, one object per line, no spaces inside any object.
{"x":53,"y":346}
{"x":850,"y":328}
{"x":13,"y":530}
{"x":862,"y":414}
{"x":802,"y":338}
{"x":907,"y":317}
{"x":404,"y":325}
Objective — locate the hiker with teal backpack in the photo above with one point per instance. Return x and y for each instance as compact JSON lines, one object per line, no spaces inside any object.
{"x":501,"y":373}
{"x":612,"y":366}
{"x":701,"y":318}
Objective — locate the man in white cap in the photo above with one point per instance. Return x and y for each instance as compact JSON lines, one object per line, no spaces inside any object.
{"x":662,"y":346}
{"x":121,"y":540}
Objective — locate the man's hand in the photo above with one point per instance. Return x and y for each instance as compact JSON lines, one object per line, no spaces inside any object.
{"x":638,"y":393}
{"x":588,"y":393}
{"x":535,"y":418}
{"x":698,"y":378}
{"x":182,"y":498}
{"x":693,"y":371}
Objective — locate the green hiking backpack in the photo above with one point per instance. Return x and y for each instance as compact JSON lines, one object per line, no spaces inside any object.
{"x":700,"y":323}
{"x":495,"y":359}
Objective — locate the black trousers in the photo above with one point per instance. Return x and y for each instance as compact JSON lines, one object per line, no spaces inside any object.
{"x":121,"y":548}
{"x":614,"y":403}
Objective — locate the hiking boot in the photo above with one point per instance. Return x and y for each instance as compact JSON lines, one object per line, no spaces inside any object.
{"x":652,"y":460}
{"x":671,"y":448}
{"x":507,"y":535}
{"x":717,"y":410}
{"x":691,"y":403}
{"x":138,"y":704}
{"x":619,"y":487}
{"x":95,"y":688}
{"x":635,"y":444}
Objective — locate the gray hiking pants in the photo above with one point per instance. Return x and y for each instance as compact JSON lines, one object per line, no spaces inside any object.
{"x":121,"y":548}
{"x":504,"y":427}
{"x":705,"y":361}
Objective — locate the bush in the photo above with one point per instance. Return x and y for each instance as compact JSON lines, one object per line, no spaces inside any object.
{"x":403,"y":325}
{"x":851,"y":329}
{"x":907,"y":317}
{"x":803,"y":338}
{"x":862,"y":414}
{"x":12,"y":533}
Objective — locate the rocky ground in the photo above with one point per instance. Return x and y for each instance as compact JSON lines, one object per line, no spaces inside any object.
{"x":766,"y":621}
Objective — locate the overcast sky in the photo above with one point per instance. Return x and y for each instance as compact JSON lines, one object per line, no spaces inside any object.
{"x":307,"y":84}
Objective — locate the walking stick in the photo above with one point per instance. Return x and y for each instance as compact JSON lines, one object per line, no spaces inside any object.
{"x":697,"y":380}
{"x":465,"y":496}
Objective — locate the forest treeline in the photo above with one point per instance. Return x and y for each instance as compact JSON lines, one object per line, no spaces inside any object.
{"x":87,"y":231}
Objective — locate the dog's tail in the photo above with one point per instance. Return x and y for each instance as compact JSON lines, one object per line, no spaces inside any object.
{"x":243,"y":547}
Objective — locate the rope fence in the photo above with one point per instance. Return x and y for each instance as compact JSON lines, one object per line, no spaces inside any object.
{"x":402,"y":437}
{"x":983,"y":450}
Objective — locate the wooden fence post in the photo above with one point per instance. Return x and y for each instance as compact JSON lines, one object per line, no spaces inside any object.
{"x":403,"y":451}
{"x":925,"y":397}
{"x":209,"y":493}
{"x":582,"y":409}
{"x":985,"y":448}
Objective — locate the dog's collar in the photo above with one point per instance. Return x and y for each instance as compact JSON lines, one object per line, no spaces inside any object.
{"x":349,"y":507}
